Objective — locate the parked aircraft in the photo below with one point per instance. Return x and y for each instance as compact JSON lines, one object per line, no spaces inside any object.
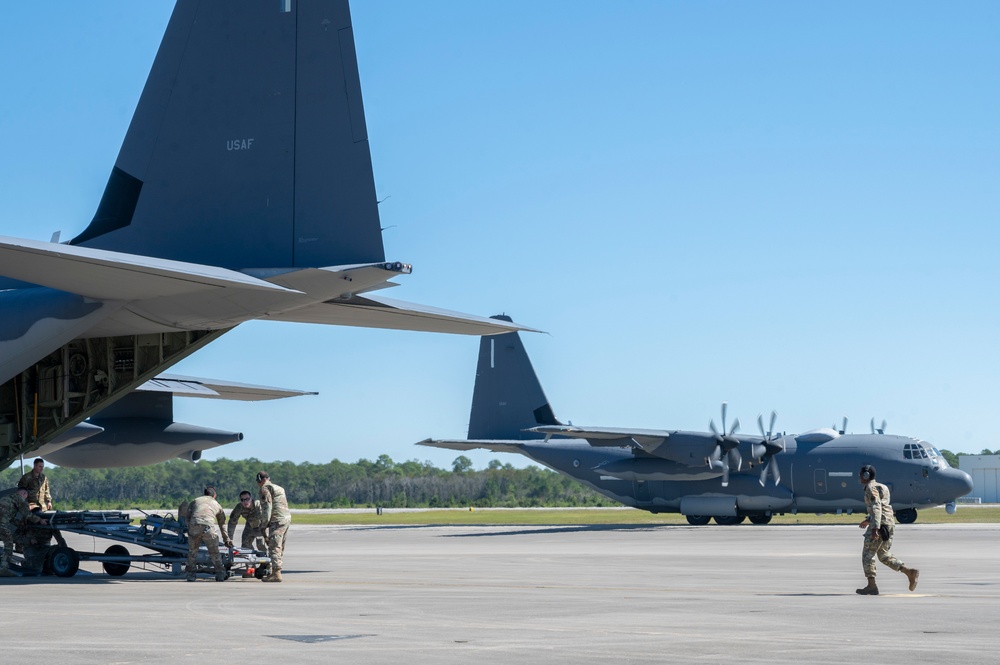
{"x":718,"y":474}
{"x":243,"y":190}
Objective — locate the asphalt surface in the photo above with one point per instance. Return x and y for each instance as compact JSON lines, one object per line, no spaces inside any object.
{"x":590,"y":594}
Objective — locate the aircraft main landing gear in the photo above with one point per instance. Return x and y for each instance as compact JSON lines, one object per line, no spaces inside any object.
{"x":729,"y":520}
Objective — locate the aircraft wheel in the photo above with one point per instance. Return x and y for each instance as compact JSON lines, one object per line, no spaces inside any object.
{"x":115,"y":568}
{"x":906,"y":516}
{"x":729,"y":521}
{"x":760,"y":519}
{"x":64,"y":562}
{"x":698,"y":520}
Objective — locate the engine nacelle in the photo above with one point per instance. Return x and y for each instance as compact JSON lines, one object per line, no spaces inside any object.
{"x":655,"y":468}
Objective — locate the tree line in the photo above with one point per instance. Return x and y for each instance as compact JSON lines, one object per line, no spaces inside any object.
{"x":365,"y":483}
{"x":336,"y":484}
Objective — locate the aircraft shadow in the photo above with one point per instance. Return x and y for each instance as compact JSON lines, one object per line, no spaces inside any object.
{"x":569,"y":528}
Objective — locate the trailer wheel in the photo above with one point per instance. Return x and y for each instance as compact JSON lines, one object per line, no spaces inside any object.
{"x":116,"y":568}
{"x":64,"y":561}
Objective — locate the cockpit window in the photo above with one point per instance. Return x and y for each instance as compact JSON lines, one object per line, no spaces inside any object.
{"x":917,"y":451}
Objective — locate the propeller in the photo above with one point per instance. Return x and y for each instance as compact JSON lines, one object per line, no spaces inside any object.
{"x":767,"y":449}
{"x":880,"y":430}
{"x":843,"y":427}
{"x":725,"y":454}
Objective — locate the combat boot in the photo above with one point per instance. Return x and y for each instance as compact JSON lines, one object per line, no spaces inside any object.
{"x":220,"y":576}
{"x":192,"y":577}
{"x":911,"y":574}
{"x":870,"y":590}
{"x":273,"y":577}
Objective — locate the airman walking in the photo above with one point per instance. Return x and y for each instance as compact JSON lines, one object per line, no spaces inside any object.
{"x":879,"y":526}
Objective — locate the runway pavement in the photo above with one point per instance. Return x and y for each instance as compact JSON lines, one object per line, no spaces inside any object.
{"x":567,"y":594}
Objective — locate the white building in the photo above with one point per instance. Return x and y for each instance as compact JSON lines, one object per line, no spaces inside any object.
{"x":985,"y":472}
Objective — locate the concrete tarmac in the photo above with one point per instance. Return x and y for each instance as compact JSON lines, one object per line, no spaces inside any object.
{"x":565,"y":594}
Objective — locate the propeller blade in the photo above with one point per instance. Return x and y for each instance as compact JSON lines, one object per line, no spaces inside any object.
{"x":711,"y":426}
{"x":735,"y":459}
{"x":770,"y":427}
{"x":763,"y":475}
{"x":883,"y":425}
{"x":873,"y":424}
{"x":736,"y":427}
{"x":773,"y":465}
{"x":760,"y":425}
{"x":725,"y":406}
{"x":725,"y":475}
{"x":843,"y":429}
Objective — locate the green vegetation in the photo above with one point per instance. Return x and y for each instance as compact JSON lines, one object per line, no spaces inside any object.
{"x":411,"y":484}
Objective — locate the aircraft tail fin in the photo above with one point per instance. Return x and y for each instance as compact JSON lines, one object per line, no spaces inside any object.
{"x":248,"y":147}
{"x":508,"y":397}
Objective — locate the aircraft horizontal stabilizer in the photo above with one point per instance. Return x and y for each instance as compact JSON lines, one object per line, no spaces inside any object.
{"x":378,"y":312}
{"x":473,"y":444}
{"x":105,"y":275}
{"x":80,"y":432}
{"x":189,"y":386}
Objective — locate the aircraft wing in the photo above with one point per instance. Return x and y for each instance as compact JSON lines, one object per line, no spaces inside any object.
{"x":190,"y":386}
{"x":373,"y":311}
{"x":607,"y":436}
{"x":497,"y":446}
{"x":106,"y":275}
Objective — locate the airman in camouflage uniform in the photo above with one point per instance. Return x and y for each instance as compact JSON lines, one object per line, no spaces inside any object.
{"x":202,"y":515}
{"x":277,"y":518}
{"x":13,"y":512}
{"x":38,"y":486}
{"x":879,"y":526}
{"x":249,"y":510}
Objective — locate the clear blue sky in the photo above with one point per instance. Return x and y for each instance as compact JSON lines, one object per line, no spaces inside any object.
{"x":784,"y":205}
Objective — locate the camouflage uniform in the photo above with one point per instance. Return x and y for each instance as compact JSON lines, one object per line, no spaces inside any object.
{"x":202,"y":514}
{"x":253,"y":536}
{"x":13,"y":512}
{"x":275,"y":514}
{"x":879,"y":513}
{"x":38,"y":490}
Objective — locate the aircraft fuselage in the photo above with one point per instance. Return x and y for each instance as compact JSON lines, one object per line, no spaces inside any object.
{"x":815,"y":477}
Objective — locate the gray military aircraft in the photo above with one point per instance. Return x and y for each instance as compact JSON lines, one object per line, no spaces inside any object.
{"x":243,"y":190}
{"x":717,"y":474}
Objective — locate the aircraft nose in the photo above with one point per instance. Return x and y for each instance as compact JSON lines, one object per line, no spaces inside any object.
{"x":959,"y":483}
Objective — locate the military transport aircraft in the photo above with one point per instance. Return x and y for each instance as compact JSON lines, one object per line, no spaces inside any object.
{"x":718,"y":474}
{"x":243,"y":190}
